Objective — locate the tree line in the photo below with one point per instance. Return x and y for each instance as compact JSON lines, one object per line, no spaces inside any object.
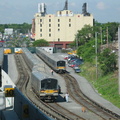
{"x":89,"y":41}
{"x":23,"y":28}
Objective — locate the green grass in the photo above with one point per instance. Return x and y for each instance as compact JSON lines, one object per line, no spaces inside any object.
{"x":107,"y":85}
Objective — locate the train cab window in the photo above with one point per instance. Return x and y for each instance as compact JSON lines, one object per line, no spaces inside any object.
{"x":61,"y":63}
{"x":49,"y":84}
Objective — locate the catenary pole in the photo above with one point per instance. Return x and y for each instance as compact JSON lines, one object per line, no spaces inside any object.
{"x":119,"y":58}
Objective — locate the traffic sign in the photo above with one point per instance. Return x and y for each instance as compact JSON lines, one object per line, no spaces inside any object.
{"x":9,"y":92}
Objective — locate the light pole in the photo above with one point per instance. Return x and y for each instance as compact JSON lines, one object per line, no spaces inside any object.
{"x":96,"y":59}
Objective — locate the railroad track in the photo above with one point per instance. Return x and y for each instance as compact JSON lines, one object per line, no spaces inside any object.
{"x":55,"y":110}
{"x":80,"y":98}
{"x":24,"y":86}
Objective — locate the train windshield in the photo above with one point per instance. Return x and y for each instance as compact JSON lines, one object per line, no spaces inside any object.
{"x":49,"y":84}
{"x":61,"y":63}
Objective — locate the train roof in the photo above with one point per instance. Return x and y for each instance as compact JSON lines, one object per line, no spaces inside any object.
{"x":39,"y":68}
{"x":49,"y":55}
{"x":42,"y":75}
{"x":30,"y":56}
{"x":1,"y":56}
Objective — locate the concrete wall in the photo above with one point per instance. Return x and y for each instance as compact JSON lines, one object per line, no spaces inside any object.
{"x":25,"y":109}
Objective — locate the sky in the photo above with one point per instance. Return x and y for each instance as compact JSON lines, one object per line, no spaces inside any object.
{"x":23,"y":11}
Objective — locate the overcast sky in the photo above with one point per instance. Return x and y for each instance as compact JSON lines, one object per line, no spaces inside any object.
{"x":20,"y":11}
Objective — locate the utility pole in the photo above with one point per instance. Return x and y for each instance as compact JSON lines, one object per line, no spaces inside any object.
{"x":119,"y":58}
{"x":107,"y":37}
{"x":96,"y":54}
{"x":101,"y":34}
{"x":76,"y":41}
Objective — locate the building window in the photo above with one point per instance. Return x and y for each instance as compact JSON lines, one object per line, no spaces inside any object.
{"x":58,"y":25}
{"x":49,"y":35}
{"x":58,"y":30}
{"x":69,"y":20}
{"x":66,"y":12}
{"x":49,"y":30}
{"x":58,"y":39}
{"x":58,"y":20}
{"x":49,"y":25}
{"x":40,"y":20}
{"x":49,"y":20}
{"x":69,"y":25}
{"x":40,"y":30}
{"x":40,"y":25}
{"x":40,"y":35}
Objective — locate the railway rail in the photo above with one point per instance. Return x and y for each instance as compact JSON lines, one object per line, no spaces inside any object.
{"x":80,"y":98}
{"x":24,"y":86}
{"x":58,"y":112}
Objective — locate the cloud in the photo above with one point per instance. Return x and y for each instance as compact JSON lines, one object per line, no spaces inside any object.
{"x":101,"y":6}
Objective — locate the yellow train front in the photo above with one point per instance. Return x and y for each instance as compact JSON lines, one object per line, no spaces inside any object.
{"x":61,"y":66}
{"x":45,"y":86}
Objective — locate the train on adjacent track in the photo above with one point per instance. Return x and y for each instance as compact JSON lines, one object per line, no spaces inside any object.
{"x":44,"y":85}
{"x":56,"y":64}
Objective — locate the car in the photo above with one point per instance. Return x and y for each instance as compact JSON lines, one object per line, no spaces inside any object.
{"x":70,"y":57}
{"x":72,"y":60}
{"x":77,"y":69}
{"x":65,"y":58}
{"x":79,"y":61}
{"x":74,"y":64}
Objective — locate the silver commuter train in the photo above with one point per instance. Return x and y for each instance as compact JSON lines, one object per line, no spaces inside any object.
{"x":57,"y":65}
{"x":45,"y":86}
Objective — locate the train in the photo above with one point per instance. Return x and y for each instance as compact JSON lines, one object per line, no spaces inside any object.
{"x":1,"y":64}
{"x":44,"y":85}
{"x":56,"y":64}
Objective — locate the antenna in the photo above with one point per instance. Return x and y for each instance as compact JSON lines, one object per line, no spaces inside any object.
{"x":66,"y":5}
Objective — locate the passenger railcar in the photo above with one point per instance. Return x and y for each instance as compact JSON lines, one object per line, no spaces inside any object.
{"x":29,"y":58}
{"x":45,"y":86}
{"x":57,"y":65}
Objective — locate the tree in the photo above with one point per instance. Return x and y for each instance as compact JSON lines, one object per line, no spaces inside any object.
{"x":84,"y":35}
{"x":40,"y":43}
{"x":108,"y":61}
{"x":87,"y":51}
